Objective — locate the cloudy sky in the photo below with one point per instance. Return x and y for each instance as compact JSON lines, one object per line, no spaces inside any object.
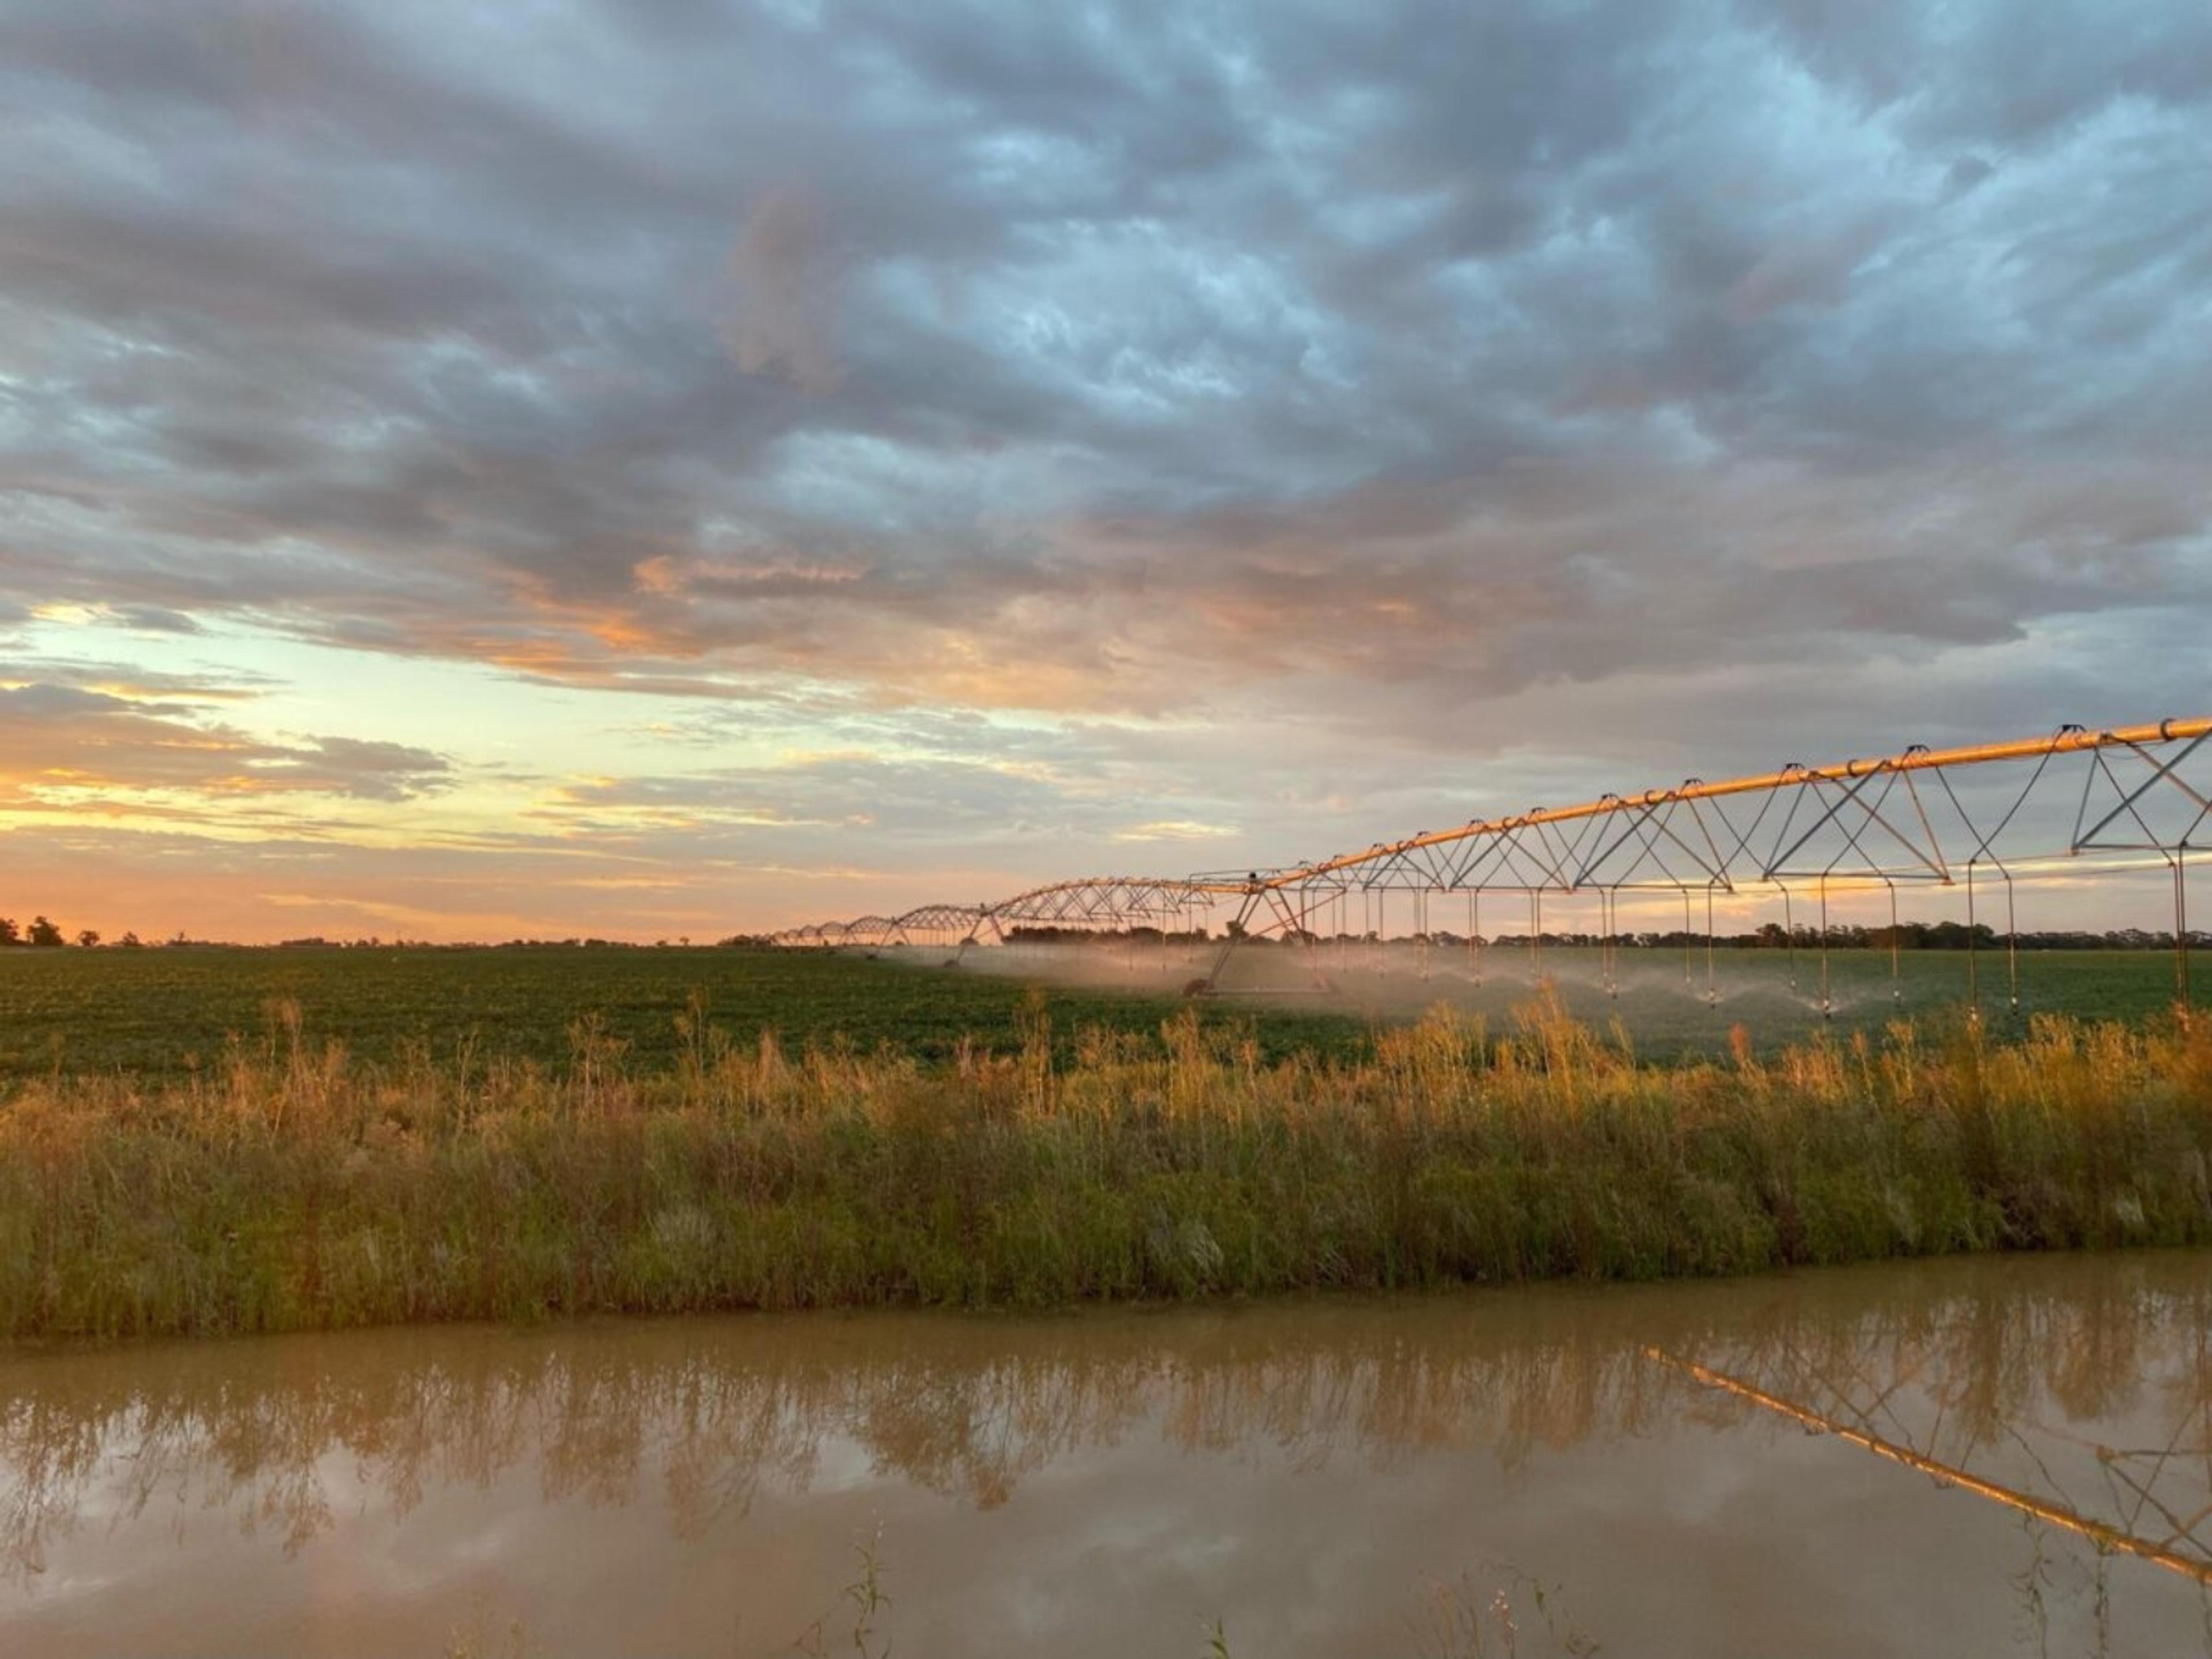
{"x":659,"y":467}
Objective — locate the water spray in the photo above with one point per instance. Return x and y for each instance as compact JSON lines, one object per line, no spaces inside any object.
{"x":1847,"y":820}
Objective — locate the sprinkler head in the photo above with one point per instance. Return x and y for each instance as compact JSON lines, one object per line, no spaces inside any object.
{"x":1827,"y":1009}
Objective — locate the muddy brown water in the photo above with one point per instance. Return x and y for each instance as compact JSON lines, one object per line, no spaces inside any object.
{"x":1970,"y":1457}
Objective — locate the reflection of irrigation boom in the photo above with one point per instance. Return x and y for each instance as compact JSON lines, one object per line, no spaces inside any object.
{"x":2103,"y":1537}
{"x":1880,"y":824}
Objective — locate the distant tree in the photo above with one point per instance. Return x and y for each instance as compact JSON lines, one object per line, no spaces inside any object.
{"x":88,"y":937}
{"x":9,"y":933}
{"x":44,"y":932}
{"x":131,"y":942}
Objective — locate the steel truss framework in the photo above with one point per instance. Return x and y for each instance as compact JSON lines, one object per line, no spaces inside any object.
{"x":2138,"y":796}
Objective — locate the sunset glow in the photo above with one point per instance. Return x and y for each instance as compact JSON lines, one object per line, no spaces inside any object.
{"x":464,"y":479}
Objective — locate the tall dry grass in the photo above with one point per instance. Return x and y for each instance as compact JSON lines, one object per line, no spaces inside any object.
{"x":289,"y":1189}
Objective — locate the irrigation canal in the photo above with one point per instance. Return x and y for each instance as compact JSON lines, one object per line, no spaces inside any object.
{"x":1971,"y":1456}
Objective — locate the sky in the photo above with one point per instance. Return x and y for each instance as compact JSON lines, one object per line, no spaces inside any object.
{"x":666,"y":468}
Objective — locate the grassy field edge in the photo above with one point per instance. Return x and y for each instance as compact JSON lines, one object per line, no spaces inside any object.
{"x":289,"y":1189}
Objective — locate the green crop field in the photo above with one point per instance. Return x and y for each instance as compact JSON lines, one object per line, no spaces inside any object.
{"x":1667,"y":1007}
{"x":169,"y":1012}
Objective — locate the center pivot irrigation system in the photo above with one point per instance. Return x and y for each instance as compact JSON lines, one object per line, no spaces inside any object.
{"x":2138,"y":801}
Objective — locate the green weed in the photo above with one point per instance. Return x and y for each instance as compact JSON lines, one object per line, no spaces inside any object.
{"x":292,"y":1186}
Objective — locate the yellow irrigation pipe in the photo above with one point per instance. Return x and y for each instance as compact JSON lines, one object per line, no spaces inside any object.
{"x":2068,"y":742}
{"x":2105,"y":1537}
{"x":1912,"y":760}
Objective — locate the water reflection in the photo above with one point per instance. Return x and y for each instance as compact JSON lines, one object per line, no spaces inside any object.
{"x":713,"y":1415}
{"x":2086,"y":1383}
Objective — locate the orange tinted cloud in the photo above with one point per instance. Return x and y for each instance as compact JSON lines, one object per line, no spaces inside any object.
{"x":60,"y":743}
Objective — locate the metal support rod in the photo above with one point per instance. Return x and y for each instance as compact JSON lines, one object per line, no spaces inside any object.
{"x":1236,"y":931}
{"x":1827,"y":1007}
{"x":1609,"y":918}
{"x":1973,"y":971}
{"x":1896,"y":961}
{"x":2012,"y":946}
{"x":1712,"y":989}
{"x":1789,"y":935}
{"x":2181,"y":931}
{"x":2129,"y":798}
{"x":1689,"y":946}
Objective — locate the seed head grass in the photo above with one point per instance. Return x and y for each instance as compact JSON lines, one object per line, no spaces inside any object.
{"x":290,"y":1187}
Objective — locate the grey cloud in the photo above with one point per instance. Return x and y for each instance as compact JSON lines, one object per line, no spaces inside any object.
{"x":1288,"y":366}
{"x":363,"y":769}
{"x":171,"y":689}
{"x":2005,"y":74}
{"x":154,"y":619}
{"x":1966,"y":172}
{"x":918,"y":800}
{"x":782,"y":312}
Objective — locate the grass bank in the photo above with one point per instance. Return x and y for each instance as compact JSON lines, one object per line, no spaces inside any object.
{"x":289,"y":1187}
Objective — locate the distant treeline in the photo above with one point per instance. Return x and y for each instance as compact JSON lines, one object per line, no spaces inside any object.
{"x":44,"y":934}
{"x":1906,"y":936}
{"x":316,"y":942}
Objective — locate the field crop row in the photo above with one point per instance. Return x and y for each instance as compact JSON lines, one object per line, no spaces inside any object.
{"x":170,"y":1013}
